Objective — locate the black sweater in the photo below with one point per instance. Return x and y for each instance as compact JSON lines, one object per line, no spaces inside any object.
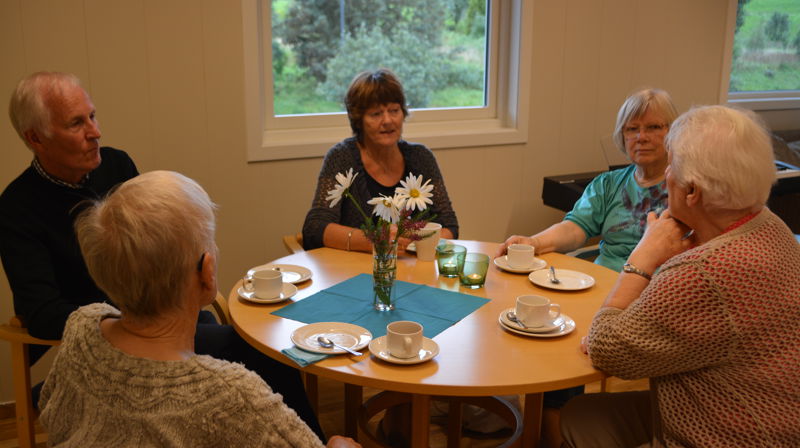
{"x":38,"y":246}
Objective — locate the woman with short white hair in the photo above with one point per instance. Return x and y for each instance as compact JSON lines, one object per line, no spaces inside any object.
{"x":707,"y":306}
{"x":130,"y":377}
{"x":615,"y":204}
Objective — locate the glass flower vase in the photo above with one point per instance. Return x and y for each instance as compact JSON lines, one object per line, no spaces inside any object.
{"x":384,"y":270}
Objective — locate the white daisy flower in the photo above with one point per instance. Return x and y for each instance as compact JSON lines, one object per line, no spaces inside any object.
{"x":416,"y":194}
{"x":344,"y":183}
{"x":388,"y":208}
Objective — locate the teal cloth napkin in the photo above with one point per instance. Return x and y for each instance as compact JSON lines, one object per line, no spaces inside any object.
{"x":351,"y":301}
{"x":301,"y":357}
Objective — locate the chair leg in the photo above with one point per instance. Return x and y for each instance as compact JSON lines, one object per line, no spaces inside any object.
{"x":22,"y":394}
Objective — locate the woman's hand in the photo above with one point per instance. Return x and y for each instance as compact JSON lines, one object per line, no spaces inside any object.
{"x":664,"y":238}
{"x":514,"y":239}
{"x":402,"y":243}
{"x":342,"y":442}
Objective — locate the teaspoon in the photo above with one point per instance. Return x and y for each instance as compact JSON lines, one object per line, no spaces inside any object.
{"x":512,"y":316}
{"x":327,"y":343}
{"x":553,"y":278}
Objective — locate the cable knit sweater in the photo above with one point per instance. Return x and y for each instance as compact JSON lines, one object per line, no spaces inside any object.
{"x":96,"y":395}
{"x":718,"y":333}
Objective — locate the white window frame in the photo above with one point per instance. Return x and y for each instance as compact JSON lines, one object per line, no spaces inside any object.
{"x":503,"y":121}
{"x":755,"y":101}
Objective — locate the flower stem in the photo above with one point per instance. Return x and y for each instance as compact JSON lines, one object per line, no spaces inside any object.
{"x":358,"y":206}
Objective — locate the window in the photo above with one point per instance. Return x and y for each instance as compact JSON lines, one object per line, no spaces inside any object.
{"x":765,"y":54}
{"x":487,"y":106}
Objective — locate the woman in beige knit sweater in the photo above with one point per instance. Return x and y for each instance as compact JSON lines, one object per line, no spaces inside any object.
{"x":707,"y":307}
{"x":130,"y":378}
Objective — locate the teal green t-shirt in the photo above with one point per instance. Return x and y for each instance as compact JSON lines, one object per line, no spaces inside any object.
{"x":615,"y":207}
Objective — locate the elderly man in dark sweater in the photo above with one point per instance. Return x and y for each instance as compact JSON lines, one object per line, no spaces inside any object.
{"x":55,"y":118}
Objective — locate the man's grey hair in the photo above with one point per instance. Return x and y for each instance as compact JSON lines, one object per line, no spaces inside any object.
{"x":28,"y":107}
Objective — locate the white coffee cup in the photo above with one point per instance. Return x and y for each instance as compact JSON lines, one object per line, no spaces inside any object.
{"x":426,"y":247}
{"x":537,"y":311}
{"x":520,"y":256}
{"x":264,"y":283}
{"x":404,"y":338}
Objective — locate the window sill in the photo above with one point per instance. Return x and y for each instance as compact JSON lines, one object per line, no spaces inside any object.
{"x":315,"y":142}
{"x":759,"y":103}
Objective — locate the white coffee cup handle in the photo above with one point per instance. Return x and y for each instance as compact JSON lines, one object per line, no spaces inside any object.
{"x":247,"y":283}
{"x":557,"y":307}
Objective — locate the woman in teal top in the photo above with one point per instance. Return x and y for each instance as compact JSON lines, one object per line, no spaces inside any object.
{"x":615,"y":204}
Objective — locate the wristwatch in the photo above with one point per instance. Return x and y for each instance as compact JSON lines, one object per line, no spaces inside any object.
{"x":631,"y":269}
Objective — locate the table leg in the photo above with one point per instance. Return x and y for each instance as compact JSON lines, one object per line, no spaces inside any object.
{"x":455,"y":414}
{"x":420,"y":420}
{"x":532,"y":419}
{"x":353,"y":397}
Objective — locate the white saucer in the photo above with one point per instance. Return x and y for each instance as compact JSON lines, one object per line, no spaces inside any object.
{"x":412,"y":248}
{"x":570,"y":280}
{"x":429,"y":349}
{"x":288,"y":291}
{"x":291,"y":272}
{"x":502,"y":263}
{"x":542,"y":329}
{"x":344,"y":334}
{"x":565,"y":328}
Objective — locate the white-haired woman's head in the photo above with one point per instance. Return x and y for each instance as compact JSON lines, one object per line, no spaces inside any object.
{"x":145,"y":240}
{"x":727,"y":152}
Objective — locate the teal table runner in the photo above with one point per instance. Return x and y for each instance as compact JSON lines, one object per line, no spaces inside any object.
{"x":351,"y":301}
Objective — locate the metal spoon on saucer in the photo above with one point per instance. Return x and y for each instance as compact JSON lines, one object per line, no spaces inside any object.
{"x":512,"y":316}
{"x":553,"y":279}
{"x":327,"y":343}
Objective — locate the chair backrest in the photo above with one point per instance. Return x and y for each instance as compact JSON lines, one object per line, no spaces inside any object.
{"x":293,"y":243}
{"x":17,"y":335}
{"x":588,"y":253}
{"x":220,"y":305}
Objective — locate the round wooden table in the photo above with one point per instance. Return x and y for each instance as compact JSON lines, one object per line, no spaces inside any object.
{"x":477,"y":356}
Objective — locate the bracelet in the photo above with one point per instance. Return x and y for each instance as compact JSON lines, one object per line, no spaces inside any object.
{"x":631,"y":269}
{"x":349,"y":235}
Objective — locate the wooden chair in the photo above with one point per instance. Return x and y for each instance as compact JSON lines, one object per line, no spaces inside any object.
{"x":17,"y":335}
{"x":588,"y":253}
{"x":293,"y":243}
{"x":220,"y":306}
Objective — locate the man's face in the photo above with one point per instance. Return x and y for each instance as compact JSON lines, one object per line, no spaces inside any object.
{"x":72,"y":149}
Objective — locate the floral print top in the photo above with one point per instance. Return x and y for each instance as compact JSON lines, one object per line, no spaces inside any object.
{"x":615,"y":207}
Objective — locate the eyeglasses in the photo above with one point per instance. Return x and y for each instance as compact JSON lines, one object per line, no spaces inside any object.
{"x":631,"y":132}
